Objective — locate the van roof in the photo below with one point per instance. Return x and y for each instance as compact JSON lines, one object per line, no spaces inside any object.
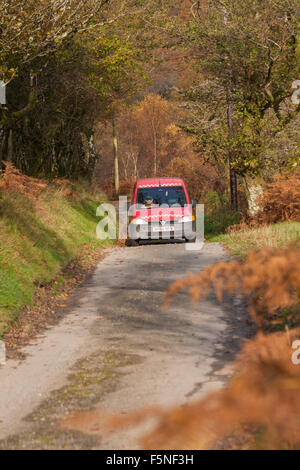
{"x":154,"y":182}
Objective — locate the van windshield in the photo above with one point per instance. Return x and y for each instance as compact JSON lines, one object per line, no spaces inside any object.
{"x":167,"y":195}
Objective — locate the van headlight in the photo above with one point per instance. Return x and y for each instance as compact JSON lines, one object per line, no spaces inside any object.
{"x":187,"y":218}
{"x":138,"y":222}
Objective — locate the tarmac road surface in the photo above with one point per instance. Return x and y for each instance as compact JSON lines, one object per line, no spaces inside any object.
{"x":116,"y":350}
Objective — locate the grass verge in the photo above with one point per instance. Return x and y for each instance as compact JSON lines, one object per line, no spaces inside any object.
{"x":217,"y":222}
{"x":271,"y":236}
{"x":39,"y":237}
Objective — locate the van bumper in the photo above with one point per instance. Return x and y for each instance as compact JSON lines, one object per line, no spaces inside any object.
{"x":159,"y":231}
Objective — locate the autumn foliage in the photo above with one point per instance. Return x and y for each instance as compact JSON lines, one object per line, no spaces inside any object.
{"x":151,"y":144}
{"x":13,"y":179}
{"x":259,"y":409}
{"x":280,"y":200}
{"x":199,"y":177}
{"x":262,"y":395}
{"x":126,"y":187}
{"x":270,"y":279}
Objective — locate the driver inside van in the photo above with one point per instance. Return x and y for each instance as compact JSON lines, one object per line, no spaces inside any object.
{"x":148,"y":201}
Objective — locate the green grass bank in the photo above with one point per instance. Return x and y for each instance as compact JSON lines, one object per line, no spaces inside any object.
{"x":39,"y":236}
{"x":271,"y":236}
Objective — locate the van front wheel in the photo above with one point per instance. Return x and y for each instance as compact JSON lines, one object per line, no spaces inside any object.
{"x":190,"y":240}
{"x":130,"y":242}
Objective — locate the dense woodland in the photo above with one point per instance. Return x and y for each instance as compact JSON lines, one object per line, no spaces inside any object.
{"x":102,"y":92}
{"x":125,"y":89}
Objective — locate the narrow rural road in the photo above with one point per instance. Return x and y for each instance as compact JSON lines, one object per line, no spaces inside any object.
{"x":116,"y":350}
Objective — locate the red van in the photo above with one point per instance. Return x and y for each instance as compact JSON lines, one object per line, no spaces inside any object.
{"x":161,"y":210}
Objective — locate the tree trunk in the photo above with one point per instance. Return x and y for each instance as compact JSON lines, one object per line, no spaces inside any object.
{"x":93,"y":157}
{"x":155,"y":156}
{"x":116,"y":158}
{"x":233,"y":178}
{"x":135,"y":169}
{"x":154,"y":149}
{"x":10,"y":147}
{"x":2,"y":144}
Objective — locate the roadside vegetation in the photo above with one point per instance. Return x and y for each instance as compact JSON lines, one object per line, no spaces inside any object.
{"x":269,"y":236}
{"x":42,"y":228}
{"x":105,"y":92}
{"x":260,"y":407}
{"x":275,"y":223}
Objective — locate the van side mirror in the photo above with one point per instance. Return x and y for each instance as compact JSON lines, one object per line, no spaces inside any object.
{"x":194,"y":202}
